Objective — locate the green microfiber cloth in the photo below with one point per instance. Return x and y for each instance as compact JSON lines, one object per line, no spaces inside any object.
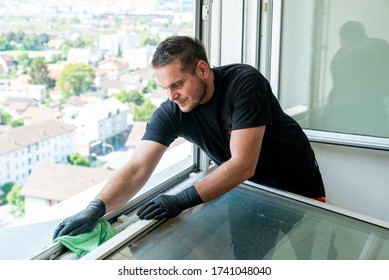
{"x":85,"y":242}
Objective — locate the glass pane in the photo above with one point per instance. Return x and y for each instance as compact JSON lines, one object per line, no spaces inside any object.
{"x":334,"y":72}
{"x":248,"y":223}
{"x":76,"y":87}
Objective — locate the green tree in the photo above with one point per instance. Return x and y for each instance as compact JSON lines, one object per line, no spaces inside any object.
{"x":4,"y":43}
{"x":6,"y":118}
{"x":75,"y":20}
{"x":10,"y":36}
{"x":134,"y":96}
{"x":55,"y":58}
{"x":31,"y":42}
{"x":65,"y":47}
{"x":43,"y":38}
{"x":148,"y":39}
{"x":19,"y":36}
{"x":17,"y":122}
{"x":74,"y":79}
{"x":121,"y":96}
{"x":6,"y":188}
{"x":117,"y":21}
{"x":16,"y":201}
{"x":78,"y":43}
{"x":89,"y":41}
{"x":151,"y":84}
{"x":77,"y":159}
{"x":23,"y":61}
{"x":144,"y":112}
{"x":38,"y":71}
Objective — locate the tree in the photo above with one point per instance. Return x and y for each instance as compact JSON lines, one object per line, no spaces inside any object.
{"x":10,"y":36}
{"x":89,"y":41}
{"x":77,"y":159}
{"x":4,"y":44}
{"x":23,"y":61}
{"x":148,"y":39}
{"x":151,"y":84}
{"x":134,"y":96}
{"x":6,"y":188}
{"x":78,"y":43}
{"x":16,"y":201}
{"x":38,"y":71}
{"x":122,"y":96}
{"x":31,"y":42}
{"x":6,"y":118}
{"x":74,"y":79}
{"x":144,"y":112}
{"x":17,"y":122}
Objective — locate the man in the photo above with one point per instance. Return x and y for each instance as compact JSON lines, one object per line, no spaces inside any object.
{"x":231,"y":113}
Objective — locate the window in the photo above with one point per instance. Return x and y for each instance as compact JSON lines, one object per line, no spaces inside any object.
{"x":148,"y":22}
{"x":335,"y":65}
{"x":129,"y":30}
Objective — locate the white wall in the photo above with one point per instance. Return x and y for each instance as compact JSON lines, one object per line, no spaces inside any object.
{"x":356,"y":179}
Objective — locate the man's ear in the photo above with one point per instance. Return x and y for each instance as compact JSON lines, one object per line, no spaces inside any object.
{"x":203,"y":69}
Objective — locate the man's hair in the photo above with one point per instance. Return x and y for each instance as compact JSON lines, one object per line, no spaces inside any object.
{"x":184,"y":49}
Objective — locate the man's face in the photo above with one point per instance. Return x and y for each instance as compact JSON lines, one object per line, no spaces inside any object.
{"x":186,"y":89}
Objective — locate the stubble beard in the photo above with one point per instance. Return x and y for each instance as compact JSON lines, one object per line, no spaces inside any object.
{"x":198,"y":100}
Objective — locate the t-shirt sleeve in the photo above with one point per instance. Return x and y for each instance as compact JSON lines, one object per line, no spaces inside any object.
{"x":251,"y":102}
{"x":161,"y":128}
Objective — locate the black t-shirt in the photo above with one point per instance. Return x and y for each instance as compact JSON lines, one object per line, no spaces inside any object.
{"x":242,"y":99}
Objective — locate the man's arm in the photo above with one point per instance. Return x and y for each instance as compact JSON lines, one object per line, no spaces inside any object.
{"x":119,"y":189}
{"x":131,"y":177}
{"x":245,"y":146}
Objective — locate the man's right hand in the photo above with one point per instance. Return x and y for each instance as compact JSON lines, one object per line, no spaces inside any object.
{"x":82,"y":222}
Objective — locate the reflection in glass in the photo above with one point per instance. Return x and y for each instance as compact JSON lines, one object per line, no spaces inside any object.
{"x":248,"y":223}
{"x":360,"y":83}
{"x":334,"y":72}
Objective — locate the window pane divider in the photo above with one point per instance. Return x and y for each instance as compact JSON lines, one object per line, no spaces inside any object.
{"x":351,"y":140}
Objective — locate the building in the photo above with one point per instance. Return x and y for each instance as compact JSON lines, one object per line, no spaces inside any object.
{"x":44,"y":189}
{"x":124,"y":39}
{"x":101,"y":126}
{"x":16,"y":106}
{"x":138,"y":58}
{"x":84,"y":55}
{"x":22,"y":147}
{"x":10,"y":90}
{"x":111,"y":68}
{"x":6,"y":64}
{"x":34,"y":115}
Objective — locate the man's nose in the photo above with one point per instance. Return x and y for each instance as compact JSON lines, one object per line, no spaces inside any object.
{"x":172,"y":94}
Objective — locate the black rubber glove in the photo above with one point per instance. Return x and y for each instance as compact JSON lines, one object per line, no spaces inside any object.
{"x":83,"y":221}
{"x":168,"y":206}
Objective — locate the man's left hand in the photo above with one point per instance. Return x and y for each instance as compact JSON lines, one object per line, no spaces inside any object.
{"x":169,"y":206}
